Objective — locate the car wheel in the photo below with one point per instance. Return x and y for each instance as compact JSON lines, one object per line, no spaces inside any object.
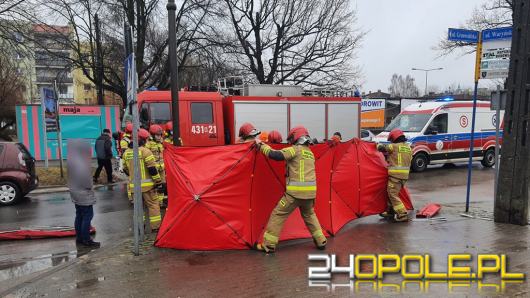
{"x":489,"y":158}
{"x":9,"y":193}
{"x":420,"y":162}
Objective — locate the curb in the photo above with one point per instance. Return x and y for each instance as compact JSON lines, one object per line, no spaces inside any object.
{"x":54,"y":189}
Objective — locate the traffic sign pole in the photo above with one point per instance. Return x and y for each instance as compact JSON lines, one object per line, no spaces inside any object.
{"x":472,"y":141}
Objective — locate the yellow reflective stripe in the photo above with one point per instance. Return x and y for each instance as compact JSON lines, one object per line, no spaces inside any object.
{"x":291,"y":150}
{"x":150,"y":158}
{"x":142,"y":169}
{"x":399,"y":159}
{"x":271,"y":238}
{"x":302,"y":188}
{"x":399,"y":171}
{"x":155,"y":218}
{"x":156,"y":177}
{"x":301,"y":169}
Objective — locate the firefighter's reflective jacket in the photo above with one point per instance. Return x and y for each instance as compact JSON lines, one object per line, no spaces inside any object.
{"x":158,"y":151}
{"x":148,"y":173}
{"x":301,"y":177}
{"x":124,"y":142}
{"x":399,"y":159}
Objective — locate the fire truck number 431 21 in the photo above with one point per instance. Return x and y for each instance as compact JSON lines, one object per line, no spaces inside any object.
{"x":203,"y":129}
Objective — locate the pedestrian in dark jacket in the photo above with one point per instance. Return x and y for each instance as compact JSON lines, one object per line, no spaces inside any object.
{"x":104,"y":155}
{"x":80,"y":186}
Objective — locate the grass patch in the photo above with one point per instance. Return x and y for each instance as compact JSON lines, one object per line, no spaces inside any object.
{"x":52,"y":176}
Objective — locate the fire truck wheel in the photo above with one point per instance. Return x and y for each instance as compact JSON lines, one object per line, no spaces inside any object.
{"x":420,"y":162}
{"x":489,"y":158}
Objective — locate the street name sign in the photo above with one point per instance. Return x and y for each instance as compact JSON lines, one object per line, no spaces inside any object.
{"x":463,"y":35}
{"x":496,"y":34}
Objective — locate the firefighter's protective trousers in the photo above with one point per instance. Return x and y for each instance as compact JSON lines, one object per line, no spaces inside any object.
{"x":149,"y":178}
{"x":158,"y":152}
{"x":300,"y":193}
{"x":399,"y":159}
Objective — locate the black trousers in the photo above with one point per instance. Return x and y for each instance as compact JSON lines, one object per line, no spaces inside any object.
{"x":107,"y":164}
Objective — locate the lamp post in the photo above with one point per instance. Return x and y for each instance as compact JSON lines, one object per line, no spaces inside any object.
{"x":171,"y":8}
{"x":426,"y":75}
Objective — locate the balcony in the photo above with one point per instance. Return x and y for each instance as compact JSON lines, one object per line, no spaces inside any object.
{"x":61,"y":63}
{"x":60,"y":80}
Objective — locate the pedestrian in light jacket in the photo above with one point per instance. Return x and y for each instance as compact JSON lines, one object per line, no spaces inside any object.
{"x":80,"y":186}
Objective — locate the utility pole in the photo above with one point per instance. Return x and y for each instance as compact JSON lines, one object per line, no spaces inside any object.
{"x":511,"y":204}
{"x":171,"y":12}
{"x":427,"y":75}
{"x":99,"y":62}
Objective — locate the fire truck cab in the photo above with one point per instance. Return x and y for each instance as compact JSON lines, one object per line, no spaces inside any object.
{"x":210,"y":118}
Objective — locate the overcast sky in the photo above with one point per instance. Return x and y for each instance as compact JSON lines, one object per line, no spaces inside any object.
{"x":401,"y":34}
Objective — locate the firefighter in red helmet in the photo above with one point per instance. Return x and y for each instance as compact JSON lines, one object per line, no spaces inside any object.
{"x":248,"y":133}
{"x":157,"y":148}
{"x":150,"y":178}
{"x":300,"y":189}
{"x":169,"y":132}
{"x":399,"y":159}
{"x":126,"y":138}
{"x":275,"y":137}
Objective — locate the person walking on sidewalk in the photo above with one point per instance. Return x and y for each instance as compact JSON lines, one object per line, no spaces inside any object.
{"x":104,"y":155}
{"x":80,"y":186}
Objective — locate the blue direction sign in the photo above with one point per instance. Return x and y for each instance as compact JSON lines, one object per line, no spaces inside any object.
{"x":497,"y":34}
{"x":463,"y":35}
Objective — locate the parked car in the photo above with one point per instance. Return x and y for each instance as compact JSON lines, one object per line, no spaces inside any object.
{"x":17,"y":172}
{"x":367,"y":135}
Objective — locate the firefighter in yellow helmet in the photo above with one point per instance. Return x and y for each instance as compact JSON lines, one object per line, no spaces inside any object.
{"x":157,"y":148}
{"x":248,"y":133}
{"x":150,"y":178}
{"x":399,"y":159}
{"x":300,"y":189}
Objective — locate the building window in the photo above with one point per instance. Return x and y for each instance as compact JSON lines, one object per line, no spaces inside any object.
{"x":19,"y":37}
{"x":87,"y":87}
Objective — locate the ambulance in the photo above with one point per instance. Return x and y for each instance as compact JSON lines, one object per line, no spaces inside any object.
{"x":440,"y":132}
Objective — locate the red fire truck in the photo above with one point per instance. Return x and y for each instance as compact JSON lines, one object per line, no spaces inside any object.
{"x":211,"y":118}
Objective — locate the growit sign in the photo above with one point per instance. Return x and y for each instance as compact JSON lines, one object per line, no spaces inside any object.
{"x":372,"y":113}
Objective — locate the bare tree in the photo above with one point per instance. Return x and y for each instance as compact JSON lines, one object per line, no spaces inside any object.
{"x":150,"y":37}
{"x":308,"y":42}
{"x":12,"y":87}
{"x":492,"y":14}
{"x":403,"y":86}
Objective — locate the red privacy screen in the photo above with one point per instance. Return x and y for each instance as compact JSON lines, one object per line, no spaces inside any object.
{"x":221,"y":197}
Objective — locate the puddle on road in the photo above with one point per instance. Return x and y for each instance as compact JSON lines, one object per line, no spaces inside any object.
{"x":21,"y":267}
{"x":199,"y":259}
{"x":89,"y":282}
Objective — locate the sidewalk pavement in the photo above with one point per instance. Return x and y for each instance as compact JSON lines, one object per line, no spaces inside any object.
{"x":114,"y":272}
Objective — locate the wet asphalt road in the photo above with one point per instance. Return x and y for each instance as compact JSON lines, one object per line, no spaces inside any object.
{"x":113,"y":216}
{"x":112,"y":219}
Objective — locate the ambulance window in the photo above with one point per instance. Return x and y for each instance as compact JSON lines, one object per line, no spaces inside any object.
{"x":439,"y":124}
{"x":160,"y":112}
{"x":201,"y":113}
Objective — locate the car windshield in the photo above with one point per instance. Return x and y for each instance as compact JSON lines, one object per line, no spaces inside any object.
{"x":409,"y":122}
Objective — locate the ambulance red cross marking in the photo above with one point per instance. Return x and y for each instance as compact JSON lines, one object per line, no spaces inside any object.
{"x":463,"y":121}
